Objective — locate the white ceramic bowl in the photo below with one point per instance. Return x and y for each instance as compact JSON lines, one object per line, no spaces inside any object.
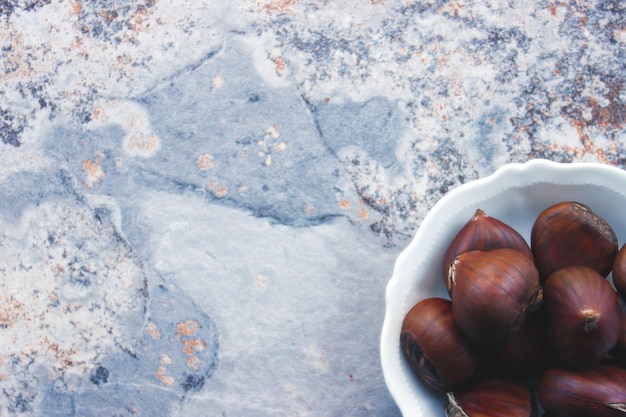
{"x":515,"y":194}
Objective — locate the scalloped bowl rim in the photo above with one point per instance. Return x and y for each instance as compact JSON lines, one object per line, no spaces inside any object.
{"x":516,"y":194}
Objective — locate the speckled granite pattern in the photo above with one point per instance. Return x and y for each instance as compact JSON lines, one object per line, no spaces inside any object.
{"x":202,"y":201}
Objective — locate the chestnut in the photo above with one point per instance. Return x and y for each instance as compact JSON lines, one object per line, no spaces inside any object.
{"x":483,"y":232}
{"x":618,"y":353}
{"x":569,"y":233}
{"x":583,"y":316}
{"x":526,"y":353}
{"x":492,"y":291}
{"x":438,"y":353}
{"x":597,"y":392}
{"x":494,"y":396}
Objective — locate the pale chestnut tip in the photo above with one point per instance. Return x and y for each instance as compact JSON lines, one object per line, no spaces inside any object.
{"x":451,"y":276}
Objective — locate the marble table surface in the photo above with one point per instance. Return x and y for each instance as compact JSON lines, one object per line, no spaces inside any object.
{"x":202,"y":200}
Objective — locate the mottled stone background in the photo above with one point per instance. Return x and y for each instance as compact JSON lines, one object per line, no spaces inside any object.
{"x":202,"y":201}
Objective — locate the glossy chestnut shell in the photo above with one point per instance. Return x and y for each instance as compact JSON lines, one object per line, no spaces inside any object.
{"x":526,"y":353}
{"x":492,"y":292}
{"x":493,"y":397}
{"x":597,"y":392}
{"x":583,"y":315}
{"x":570,"y":233}
{"x":439,"y":354}
{"x":618,"y":353}
{"x":483,"y":232}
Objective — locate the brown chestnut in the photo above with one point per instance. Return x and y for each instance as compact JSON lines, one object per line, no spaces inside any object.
{"x":483,"y":232}
{"x":492,"y":291}
{"x":583,"y":315}
{"x":597,"y":392}
{"x":439,"y":354}
{"x":494,"y":396}
{"x":526,"y":353}
{"x":619,"y":350}
{"x":570,"y":233}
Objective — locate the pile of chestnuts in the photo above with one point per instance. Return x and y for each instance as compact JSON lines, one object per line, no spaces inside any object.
{"x":526,"y":326}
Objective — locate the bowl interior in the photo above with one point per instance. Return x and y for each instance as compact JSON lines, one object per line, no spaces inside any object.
{"x":515,"y":194}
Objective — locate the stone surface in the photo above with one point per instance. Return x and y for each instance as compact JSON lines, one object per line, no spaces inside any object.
{"x":202,"y":201}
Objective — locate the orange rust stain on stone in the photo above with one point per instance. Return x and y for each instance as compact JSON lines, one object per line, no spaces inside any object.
{"x":455,"y":7}
{"x":613,"y":114}
{"x":193,"y":362}
{"x":579,"y":125}
{"x":345,"y":205}
{"x":193,"y":345}
{"x":57,"y":270}
{"x":140,"y":141}
{"x":14,"y":57}
{"x":260,"y":280}
{"x":153,"y":331}
{"x":552,"y":8}
{"x":98,"y":114}
{"x":187,"y":328}
{"x":76,"y":7}
{"x":109,"y":15}
{"x":279,"y":63}
{"x":205,"y":162}
{"x":278,"y":6}
{"x":163,"y":376}
{"x":587,"y":148}
{"x":140,"y":17}
{"x":10,"y":310}
{"x":94,"y":172}
{"x":190,"y":345}
{"x":218,"y":190}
